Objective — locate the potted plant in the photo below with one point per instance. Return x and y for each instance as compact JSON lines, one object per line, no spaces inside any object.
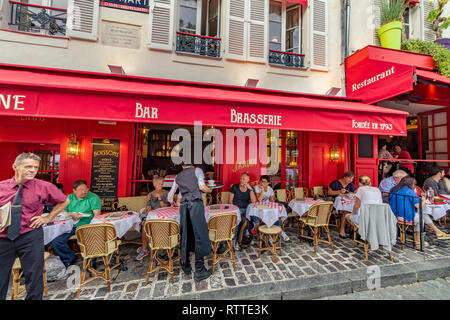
{"x":440,"y":23}
{"x":390,"y":32}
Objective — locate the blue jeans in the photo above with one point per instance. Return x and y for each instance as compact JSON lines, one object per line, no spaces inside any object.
{"x":62,"y":249}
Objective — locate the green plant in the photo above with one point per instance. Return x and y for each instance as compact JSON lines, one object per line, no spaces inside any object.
{"x":440,"y":54}
{"x":435,"y":16}
{"x":391,"y":10}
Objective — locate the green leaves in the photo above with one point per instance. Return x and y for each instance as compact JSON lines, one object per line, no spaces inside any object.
{"x":440,"y":54}
{"x":392,"y":10}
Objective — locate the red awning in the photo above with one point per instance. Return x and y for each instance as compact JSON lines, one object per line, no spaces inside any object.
{"x":302,"y":2}
{"x":412,"y":2}
{"x":433,"y":77}
{"x":374,"y":73}
{"x":33,"y":91}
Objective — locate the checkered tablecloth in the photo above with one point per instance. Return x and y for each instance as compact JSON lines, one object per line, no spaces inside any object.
{"x":344,"y":205}
{"x":270,"y":215}
{"x":301,"y":207}
{"x":56,"y":229}
{"x":231,"y":208}
{"x":165,"y":213}
{"x":123,"y":224}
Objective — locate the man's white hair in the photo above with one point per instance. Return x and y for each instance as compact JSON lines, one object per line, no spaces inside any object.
{"x":399,"y":174}
{"x":26,"y":155}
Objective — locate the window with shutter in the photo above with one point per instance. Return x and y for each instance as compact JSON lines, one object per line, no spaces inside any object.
{"x":319,"y":27}
{"x":198,"y":27}
{"x":161,"y":17}
{"x":82,"y":19}
{"x":257,"y":44}
{"x":427,"y":28}
{"x":285,"y":34}
{"x":236,"y":30}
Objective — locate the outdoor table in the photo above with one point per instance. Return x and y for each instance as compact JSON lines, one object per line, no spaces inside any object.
{"x":129,"y":220}
{"x":56,"y":228}
{"x":436,"y":210}
{"x":268,"y":212}
{"x":168,"y":181}
{"x":231,"y":208}
{"x":165,"y":213}
{"x":342,"y":204}
{"x":300,"y":207}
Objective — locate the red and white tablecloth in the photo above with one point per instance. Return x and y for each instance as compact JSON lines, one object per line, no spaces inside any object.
{"x":230,"y":208}
{"x":301,"y":207}
{"x":268,"y":215}
{"x":341,"y":204}
{"x":436,"y":211}
{"x":165,"y":213}
{"x":169,"y":180}
{"x":129,"y":220}
{"x":56,"y":229}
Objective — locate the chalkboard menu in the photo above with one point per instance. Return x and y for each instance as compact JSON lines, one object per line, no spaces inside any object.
{"x":105,"y":170}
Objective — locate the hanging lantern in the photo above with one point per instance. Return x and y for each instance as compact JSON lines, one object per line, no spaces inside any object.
{"x":73,"y":146}
{"x":334,"y":153}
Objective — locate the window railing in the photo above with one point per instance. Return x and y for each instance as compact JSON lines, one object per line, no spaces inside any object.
{"x":38,"y":19}
{"x":198,"y":45}
{"x":287,"y":59}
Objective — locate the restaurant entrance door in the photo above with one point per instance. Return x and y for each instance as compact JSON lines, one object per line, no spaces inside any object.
{"x":365,"y":154}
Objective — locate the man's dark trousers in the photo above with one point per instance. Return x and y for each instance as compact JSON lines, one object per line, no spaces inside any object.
{"x":29,"y":247}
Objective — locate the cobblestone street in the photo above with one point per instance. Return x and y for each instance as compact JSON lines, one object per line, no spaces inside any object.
{"x":260,"y":278}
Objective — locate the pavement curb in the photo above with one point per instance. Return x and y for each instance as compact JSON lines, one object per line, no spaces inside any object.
{"x":331,"y":284}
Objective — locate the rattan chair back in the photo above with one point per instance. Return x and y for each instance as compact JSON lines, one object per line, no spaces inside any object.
{"x":222,"y":226}
{"x":162,"y":233}
{"x":319,"y":213}
{"x":300,"y":192}
{"x":318,"y":191}
{"x":223,"y":197}
{"x":281,"y":195}
{"x":97,"y":240}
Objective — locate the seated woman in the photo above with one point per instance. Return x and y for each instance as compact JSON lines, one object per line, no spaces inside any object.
{"x":364,"y":195}
{"x":404,"y":201}
{"x":264,"y":192}
{"x":155,"y":200}
{"x":338,"y":188}
{"x":343,"y":185}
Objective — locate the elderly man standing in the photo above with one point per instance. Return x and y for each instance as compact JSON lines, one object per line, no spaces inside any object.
{"x":82,"y":201}
{"x":24,"y":238}
{"x":388,"y":183}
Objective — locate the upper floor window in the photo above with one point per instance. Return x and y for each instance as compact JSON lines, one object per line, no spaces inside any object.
{"x":406,"y":24}
{"x":46,"y":17}
{"x":198,"y":27}
{"x":200,"y":17}
{"x":285,"y":33}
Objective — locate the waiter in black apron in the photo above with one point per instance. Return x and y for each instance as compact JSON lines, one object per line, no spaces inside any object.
{"x":193,"y":227}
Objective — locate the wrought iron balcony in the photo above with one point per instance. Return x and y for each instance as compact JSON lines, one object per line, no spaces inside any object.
{"x":287,"y":59}
{"x":198,"y":45}
{"x":38,"y":19}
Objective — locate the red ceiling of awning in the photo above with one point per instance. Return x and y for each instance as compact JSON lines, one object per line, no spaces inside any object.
{"x":433,"y":76}
{"x":303,"y":2}
{"x":81,"y":95}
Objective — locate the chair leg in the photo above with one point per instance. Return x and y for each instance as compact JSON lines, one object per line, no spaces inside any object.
{"x":170,"y":253}
{"x":214,"y":257}
{"x":230,"y":246}
{"x":390,"y":256}
{"x":366,"y":250}
{"x":329,"y":238}
{"x":83,"y":274}
{"x":107,"y":272}
{"x":150,"y":265}
{"x":44,"y":275}
{"x":16,"y":284}
{"x":274,"y":247}
{"x":260,"y":245}
{"x":302,"y":225}
{"x":315,"y":240}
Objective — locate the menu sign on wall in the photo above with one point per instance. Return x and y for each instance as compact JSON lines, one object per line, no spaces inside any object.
{"x":105,"y":170}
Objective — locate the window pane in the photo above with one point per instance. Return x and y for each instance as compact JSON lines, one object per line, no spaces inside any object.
{"x":213,"y":27}
{"x":440,"y":118}
{"x":188,"y":19}
{"x":365,"y":146}
{"x":292,"y":18}
{"x":292,"y":40}
{"x":440,"y":132}
{"x":275,"y":11}
{"x":424,"y":121}
{"x":275,"y":33}
{"x":189,"y":3}
{"x":441,"y":145}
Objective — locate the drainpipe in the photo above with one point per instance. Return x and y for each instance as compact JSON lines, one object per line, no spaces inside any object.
{"x":346,"y":36}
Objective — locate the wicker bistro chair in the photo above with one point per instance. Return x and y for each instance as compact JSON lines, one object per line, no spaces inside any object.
{"x":207,"y":199}
{"x":274,"y":233}
{"x":301,"y":192}
{"x":98,"y":241}
{"x":403,"y":226}
{"x":317,"y":219}
{"x":221,"y":228}
{"x":17,"y":273}
{"x":318,"y":192}
{"x":223,"y":197}
{"x":163,"y":234}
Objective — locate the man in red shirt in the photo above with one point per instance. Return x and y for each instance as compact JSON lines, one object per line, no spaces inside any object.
{"x":24,"y":238}
{"x":404,"y":154}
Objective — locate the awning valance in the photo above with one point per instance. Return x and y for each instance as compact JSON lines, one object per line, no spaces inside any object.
{"x":39,"y":92}
{"x":302,"y":2}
